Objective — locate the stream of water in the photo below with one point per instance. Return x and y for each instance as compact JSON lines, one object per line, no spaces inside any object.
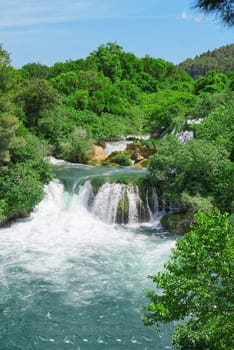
{"x":71,"y":280}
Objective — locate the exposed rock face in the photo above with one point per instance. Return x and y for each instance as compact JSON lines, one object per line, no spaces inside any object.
{"x":139,"y":151}
{"x":98,"y":154}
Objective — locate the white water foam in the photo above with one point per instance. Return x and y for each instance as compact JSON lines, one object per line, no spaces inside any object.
{"x":69,"y":279}
{"x":53,"y":243}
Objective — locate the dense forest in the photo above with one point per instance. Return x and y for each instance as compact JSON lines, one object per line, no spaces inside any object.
{"x":65,"y":109}
{"x":221,"y":60}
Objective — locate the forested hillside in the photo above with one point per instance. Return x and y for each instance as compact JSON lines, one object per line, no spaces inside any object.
{"x":65,"y":109}
{"x":220,"y":60}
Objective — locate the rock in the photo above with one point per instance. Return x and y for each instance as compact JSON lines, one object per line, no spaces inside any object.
{"x":177,"y":223}
{"x":98,"y":155}
{"x":141,"y":164}
{"x":139,"y":151}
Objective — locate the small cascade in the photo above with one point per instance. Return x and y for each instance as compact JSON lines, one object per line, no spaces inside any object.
{"x":134,"y":203}
{"x":85,"y":195}
{"x":117,"y":146}
{"x":156,"y":203}
{"x":105,"y":204}
{"x":116,"y":203}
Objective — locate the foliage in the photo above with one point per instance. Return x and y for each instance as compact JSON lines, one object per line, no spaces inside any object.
{"x":198,"y":167}
{"x":212,"y":82}
{"x":32,"y":152}
{"x":113,"y":93}
{"x":224,"y":9}
{"x":20,"y":190}
{"x":35,"y":71}
{"x":218,"y":126}
{"x":6,"y":73}
{"x":206,"y":103}
{"x":76,"y":148}
{"x":197,"y":286}
{"x":8,"y":139}
{"x":219,"y":60}
{"x":121,"y":159}
{"x":164,"y":107}
{"x":107,"y":59}
{"x":97,"y":182}
{"x":36,"y":96}
{"x":197,"y":203}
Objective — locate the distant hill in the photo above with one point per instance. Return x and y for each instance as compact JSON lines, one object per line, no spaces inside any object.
{"x":220,"y":60}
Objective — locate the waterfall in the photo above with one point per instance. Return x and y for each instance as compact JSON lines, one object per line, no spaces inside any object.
{"x":106,"y":202}
{"x":69,"y":279}
{"x":115,"y":203}
{"x":117,"y":146}
{"x":134,"y":200}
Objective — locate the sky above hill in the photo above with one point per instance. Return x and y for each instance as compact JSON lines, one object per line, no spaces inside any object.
{"x":49,"y":31}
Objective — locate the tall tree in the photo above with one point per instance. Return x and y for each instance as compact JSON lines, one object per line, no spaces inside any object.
{"x":37,"y":96}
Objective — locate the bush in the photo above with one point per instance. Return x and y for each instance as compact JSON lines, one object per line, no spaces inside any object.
{"x":20,"y":190}
{"x":121,"y":159}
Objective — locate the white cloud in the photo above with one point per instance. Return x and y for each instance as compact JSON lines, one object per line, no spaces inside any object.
{"x":31,"y":13}
{"x":35,"y":12}
{"x":186,"y":17}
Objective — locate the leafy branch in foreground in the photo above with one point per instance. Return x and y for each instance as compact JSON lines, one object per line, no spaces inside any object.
{"x":222,"y":8}
{"x":197,"y":286}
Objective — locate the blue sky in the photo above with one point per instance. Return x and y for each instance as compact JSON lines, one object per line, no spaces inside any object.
{"x":49,"y":31}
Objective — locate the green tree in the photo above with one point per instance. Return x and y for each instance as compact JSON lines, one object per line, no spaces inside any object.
{"x":77,"y":147}
{"x":8,"y":139}
{"x":66,"y":83}
{"x":218,"y":126}
{"x":35,"y":71}
{"x":197,"y":287}
{"x":107,"y":59}
{"x":212,"y":83}
{"x":6,"y":71}
{"x":198,"y":167}
{"x":36,"y":97}
{"x":20,"y":190}
{"x":164,"y":107}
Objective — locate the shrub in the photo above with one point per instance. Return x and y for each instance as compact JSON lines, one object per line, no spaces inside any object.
{"x":121,"y":159}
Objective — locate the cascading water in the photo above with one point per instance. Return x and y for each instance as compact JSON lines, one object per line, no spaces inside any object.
{"x":71,"y":280}
{"x":118,"y":203}
{"x":106,"y":202}
{"x":134,"y":200}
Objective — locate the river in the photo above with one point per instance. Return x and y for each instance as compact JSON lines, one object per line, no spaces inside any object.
{"x":70,"y":280}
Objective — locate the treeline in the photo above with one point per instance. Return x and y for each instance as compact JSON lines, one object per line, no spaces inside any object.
{"x":109,"y":94}
{"x":221,"y":60}
{"x":23,"y":171}
{"x":63,"y":110}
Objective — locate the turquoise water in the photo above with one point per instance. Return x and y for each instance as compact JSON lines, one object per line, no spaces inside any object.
{"x":70,"y":281}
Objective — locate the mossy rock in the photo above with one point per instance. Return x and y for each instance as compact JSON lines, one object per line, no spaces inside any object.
{"x":97,"y":182}
{"x":142,"y":164}
{"x":138,"y":151}
{"x":177,"y":223}
{"x":121,"y":159}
